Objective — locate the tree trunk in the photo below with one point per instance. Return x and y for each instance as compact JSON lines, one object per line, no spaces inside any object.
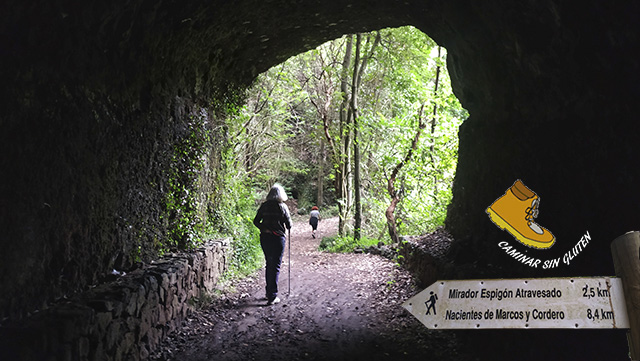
{"x":356,"y":146}
{"x":391,"y":219}
{"x":320,"y":182}
{"x":358,"y":71}
{"x":433,"y":128}
{"x":435,"y":106}
{"x":342,"y":166}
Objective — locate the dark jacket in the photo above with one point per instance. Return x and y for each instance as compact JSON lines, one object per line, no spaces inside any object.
{"x":273,"y":217}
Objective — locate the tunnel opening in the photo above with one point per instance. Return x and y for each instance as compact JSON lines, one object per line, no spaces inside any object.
{"x":298,"y":129}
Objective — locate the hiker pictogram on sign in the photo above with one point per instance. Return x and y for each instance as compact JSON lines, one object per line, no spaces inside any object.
{"x":431,"y":303}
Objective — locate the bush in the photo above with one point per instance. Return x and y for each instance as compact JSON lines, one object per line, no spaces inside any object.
{"x":336,"y":244}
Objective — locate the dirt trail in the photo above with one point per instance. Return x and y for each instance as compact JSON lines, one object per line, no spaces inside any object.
{"x":341,"y":307}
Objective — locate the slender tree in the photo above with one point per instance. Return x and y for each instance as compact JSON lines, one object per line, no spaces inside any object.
{"x":342,"y":174}
{"x":358,"y":70}
{"x":355,"y":86}
{"x":320,"y":175}
{"x":433,"y":124}
{"x":394,"y":193}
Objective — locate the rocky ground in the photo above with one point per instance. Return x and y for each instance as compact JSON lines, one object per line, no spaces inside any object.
{"x":340,"y":307}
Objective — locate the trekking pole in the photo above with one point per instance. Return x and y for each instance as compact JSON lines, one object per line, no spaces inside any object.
{"x":289,"y":293}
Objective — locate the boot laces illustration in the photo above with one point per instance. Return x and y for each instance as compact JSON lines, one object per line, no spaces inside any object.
{"x":532,"y":213}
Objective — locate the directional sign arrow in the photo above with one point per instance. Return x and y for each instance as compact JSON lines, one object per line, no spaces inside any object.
{"x":585,"y":302}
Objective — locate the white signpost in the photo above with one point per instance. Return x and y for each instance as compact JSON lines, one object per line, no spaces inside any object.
{"x":571,"y":303}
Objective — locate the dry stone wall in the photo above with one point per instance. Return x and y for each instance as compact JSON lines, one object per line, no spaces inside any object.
{"x":124,"y":319}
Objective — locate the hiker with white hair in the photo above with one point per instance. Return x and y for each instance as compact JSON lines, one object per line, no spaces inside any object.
{"x":273,"y":220}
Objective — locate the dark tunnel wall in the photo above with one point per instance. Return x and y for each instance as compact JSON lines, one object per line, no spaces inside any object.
{"x":95,"y":98}
{"x":560,"y":115}
{"x":95,"y":95}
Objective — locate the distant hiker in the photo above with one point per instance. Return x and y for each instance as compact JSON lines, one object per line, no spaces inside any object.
{"x":273,"y":220}
{"x":314,"y":218}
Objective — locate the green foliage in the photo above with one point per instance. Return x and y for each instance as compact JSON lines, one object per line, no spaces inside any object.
{"x":390,"y":122}
{"x":265,"y":131}
{"x":232,"y":211}
{"x":337,"y":244}
{"x":185,"y":221}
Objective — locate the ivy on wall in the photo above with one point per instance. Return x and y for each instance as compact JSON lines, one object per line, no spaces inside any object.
{"x":189,"y":160}
{"x":206,"y":195}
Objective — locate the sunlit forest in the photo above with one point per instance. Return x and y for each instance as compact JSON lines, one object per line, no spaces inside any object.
{"x":364,"y":126}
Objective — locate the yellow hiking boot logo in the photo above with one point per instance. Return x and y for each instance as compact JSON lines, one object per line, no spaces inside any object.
{"x":515,"y":212}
